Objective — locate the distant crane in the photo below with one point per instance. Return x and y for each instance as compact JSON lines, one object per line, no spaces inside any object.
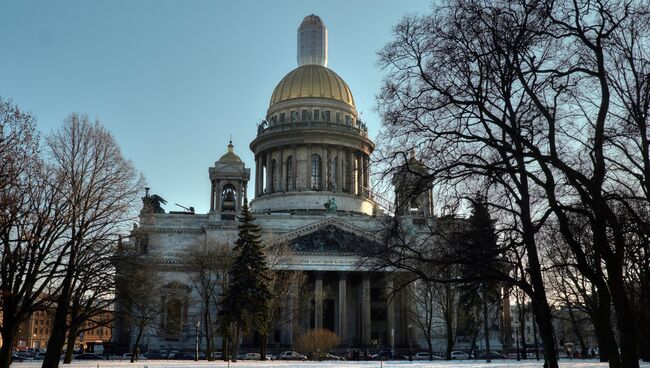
{"x":190,"y":209}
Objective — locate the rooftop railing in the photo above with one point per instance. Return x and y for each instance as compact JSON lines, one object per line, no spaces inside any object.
{"x":267,"y":128}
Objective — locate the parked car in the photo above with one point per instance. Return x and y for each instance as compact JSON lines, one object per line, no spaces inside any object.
{"x":155,"y":355}
{"x":330,"y":356}
{"x":39,"y":356}
{"x":89,"y":356}
{"x":388,"y":355}
{"x":492,"y":355}
{"x":217,"y":355}
{"x":460,"y":355}
{"x":184,"y":356}
{"x":291,"y":355}
{"x":424,"y":355}
{"x":251,"y":356}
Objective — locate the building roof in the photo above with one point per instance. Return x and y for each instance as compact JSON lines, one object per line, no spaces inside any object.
{"x":230,"y":156}
{"x":312,"y":81}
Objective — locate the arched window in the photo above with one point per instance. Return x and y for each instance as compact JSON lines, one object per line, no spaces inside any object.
{"x":274,"y":176}
{"x":315,"y":172}
{"x":289,"y":183}
{"x":228,"y":198}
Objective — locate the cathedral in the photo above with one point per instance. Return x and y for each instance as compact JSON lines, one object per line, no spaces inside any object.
{"x":311,"y":188}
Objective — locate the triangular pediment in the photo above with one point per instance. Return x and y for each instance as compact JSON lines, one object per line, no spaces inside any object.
{"x":329,"y":236}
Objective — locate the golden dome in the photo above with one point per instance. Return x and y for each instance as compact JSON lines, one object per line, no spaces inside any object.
{"x":312,"y":81}
{"x":230,"y":156}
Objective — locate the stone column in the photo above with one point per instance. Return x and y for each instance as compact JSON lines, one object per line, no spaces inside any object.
{"x":342,"y":320}
{"x":269,"y":171}
{"x":365,"y":310}
{"x":390,"y":311}
{"x":280,"y":164}
{"x":217,"y":196}
{"x":366,"y":173}
{"x":294,"y":168}
{"x":257,"y":175}
{"x":318,"y":300}
{"x":349,"y":175}
{"x":361,"y":173}
{"x":212,"y":195}
{"x":339,"y":168}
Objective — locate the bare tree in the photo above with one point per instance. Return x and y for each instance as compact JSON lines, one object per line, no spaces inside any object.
{"x":30,"y":225}
{"x":285,"y":305}
{"x":521,"y":93}
{"x":208,"y":262}
{"x":98,"y":188}
{"x":138,"y":281}
{"x":435,"y":305}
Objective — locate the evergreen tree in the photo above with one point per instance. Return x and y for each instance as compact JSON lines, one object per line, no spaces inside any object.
{"x":482,"y":266}
{"x":246,"y":298}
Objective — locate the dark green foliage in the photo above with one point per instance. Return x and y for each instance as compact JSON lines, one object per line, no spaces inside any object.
{"x":482,"y":267}
{"x":245,"y":300}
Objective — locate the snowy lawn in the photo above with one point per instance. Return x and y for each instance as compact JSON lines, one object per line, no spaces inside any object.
{"x":329,"y":364}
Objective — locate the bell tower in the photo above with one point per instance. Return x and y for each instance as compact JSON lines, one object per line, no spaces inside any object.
{"x":229,"y":178}
{"x":413,"y":189}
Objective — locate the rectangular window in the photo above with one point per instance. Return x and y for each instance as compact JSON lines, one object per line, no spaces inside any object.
{"x":316,"y":115}
{"x":338,"y":117}
{"x":348,"y":120}
{"x":305,"y":115}
{"x":294,"y":116}
{"x":326,"y":115}
{"x":282,"y":117}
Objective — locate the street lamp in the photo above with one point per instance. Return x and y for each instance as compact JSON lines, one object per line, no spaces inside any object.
{"x":196,"y":352}
{"x":410,"y":343}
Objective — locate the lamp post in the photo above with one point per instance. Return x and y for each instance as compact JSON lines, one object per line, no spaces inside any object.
{"x":196,"y":352}
{"x":410,"y":343}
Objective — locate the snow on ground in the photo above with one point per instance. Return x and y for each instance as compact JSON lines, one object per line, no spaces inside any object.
{"x":329,"y":364}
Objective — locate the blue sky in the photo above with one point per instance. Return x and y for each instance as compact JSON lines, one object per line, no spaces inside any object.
{"x":172,"y":80}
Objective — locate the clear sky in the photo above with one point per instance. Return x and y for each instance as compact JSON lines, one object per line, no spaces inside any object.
{"x":172,"y":80}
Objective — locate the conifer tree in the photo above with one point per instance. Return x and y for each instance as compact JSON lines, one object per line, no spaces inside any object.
{"x":482,"y":259}
{"x":246,"y":298}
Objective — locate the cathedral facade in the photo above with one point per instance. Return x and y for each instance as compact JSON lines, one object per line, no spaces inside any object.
{"x":311,"y":191}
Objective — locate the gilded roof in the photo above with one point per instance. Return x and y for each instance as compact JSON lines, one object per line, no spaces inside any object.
{"x":230,"y":156}
{"x":315,"y":81}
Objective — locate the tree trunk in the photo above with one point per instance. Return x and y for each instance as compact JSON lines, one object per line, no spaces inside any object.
{"x":626,"y":324}
{"x":450,"y":342}
{"x":209,"y":337}
{"x":430,"y":349}
{"x":69,"y":350}
{"x":8,"y":333}
{"x":59,"y":325}
{"x":136,"y":350}
{"x":235,"y":345}
{"x":607,"y":345}
{"x":542,"y":314}
{"x":486,"y":326}
{"x":522,"y":333}
{"x":225,"y":348}
{"x":263,"y":341}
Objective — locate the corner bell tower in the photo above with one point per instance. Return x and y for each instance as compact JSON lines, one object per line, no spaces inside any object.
{"x":229,"y":178}
{"x":413,"y":189}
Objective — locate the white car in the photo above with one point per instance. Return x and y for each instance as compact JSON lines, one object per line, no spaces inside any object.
{"x":459,"y":355}
{"x":423,"y":355}
{"x":291,"y":355}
